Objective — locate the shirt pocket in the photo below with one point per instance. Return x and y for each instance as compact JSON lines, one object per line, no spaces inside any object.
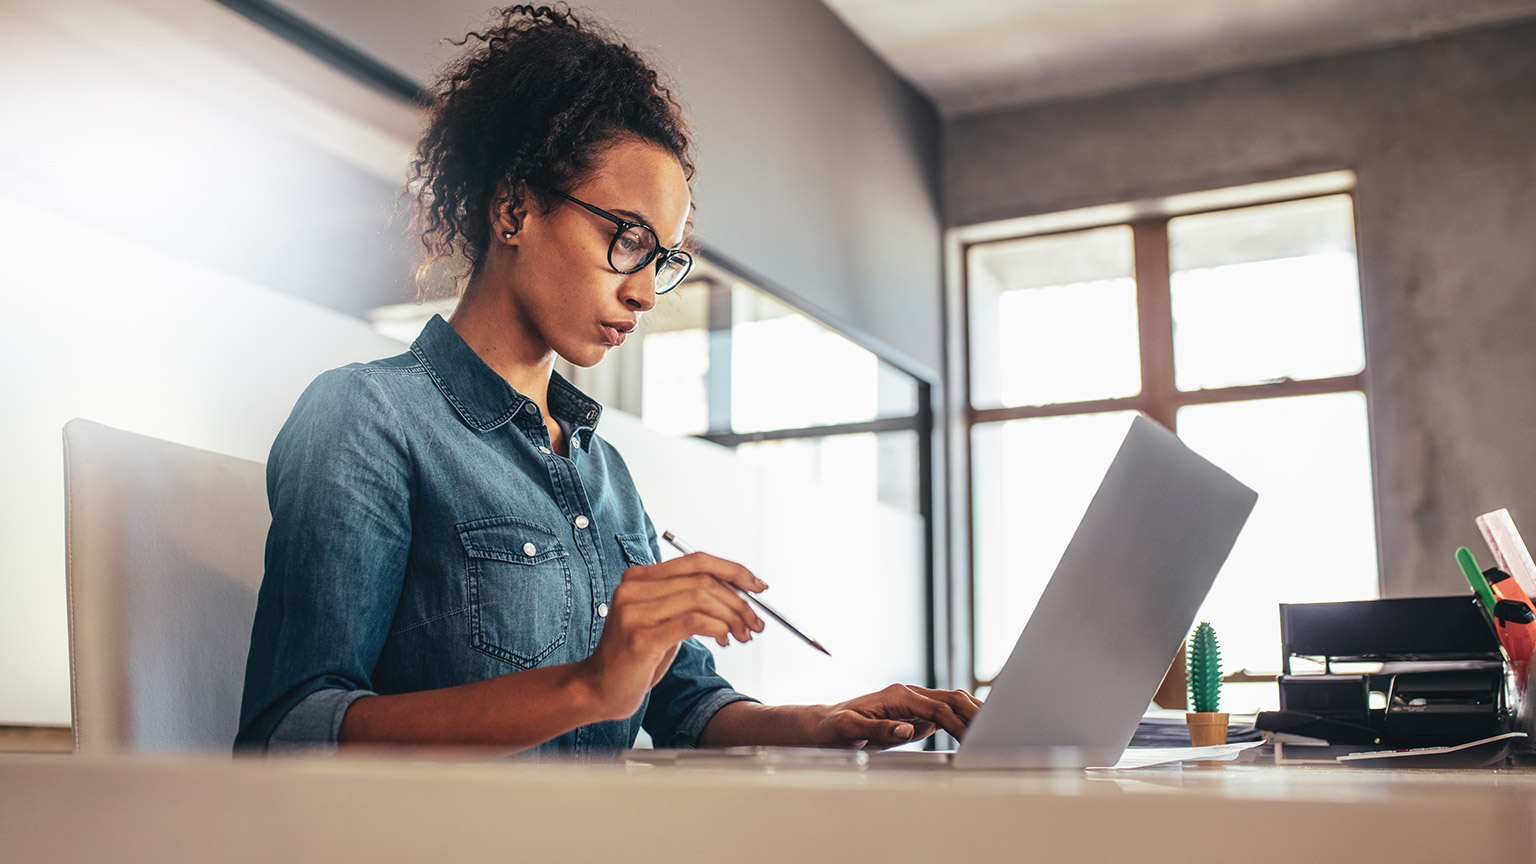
{"x":636,"y":549}
{"x":519,"y":587}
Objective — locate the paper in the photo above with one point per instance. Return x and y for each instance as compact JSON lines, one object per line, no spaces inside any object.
{"x":1145,"y":757}
{"x":1477,"y":753}
{"x":1508,"y":549}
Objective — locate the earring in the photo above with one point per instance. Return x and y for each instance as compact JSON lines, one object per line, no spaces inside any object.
{"x":507,"y":235}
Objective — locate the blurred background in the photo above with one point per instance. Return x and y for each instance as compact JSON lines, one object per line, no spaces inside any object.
{"x":947,"y":248}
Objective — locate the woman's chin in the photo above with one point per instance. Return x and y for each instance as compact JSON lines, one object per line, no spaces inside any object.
{"x":586,"y":356}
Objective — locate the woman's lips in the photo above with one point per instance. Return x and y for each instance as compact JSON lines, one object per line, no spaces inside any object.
{"x":614,"y":335}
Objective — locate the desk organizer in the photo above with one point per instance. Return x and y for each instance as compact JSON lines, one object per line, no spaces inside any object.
{"x":1435,"y":677}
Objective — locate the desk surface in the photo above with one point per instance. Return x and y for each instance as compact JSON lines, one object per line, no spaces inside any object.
{"x":68,"y":808}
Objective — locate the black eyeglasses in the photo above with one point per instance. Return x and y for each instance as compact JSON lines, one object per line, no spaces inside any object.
{"x":635,"y":245}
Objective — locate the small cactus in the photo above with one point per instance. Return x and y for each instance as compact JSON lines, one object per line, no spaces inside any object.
{"x":1204,"y":669}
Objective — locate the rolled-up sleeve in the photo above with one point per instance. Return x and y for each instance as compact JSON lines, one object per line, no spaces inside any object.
{"x":338,"y":484}
{"x":687,"y":697}
{"x":314,"y":724}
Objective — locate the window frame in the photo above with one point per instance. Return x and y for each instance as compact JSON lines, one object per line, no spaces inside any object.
{"x":1159,"y":397}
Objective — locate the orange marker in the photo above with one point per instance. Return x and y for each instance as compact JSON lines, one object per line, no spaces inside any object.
{"x":1516,"y":620}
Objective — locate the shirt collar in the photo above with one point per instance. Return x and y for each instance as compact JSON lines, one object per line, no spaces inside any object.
{"x":483,"y":398}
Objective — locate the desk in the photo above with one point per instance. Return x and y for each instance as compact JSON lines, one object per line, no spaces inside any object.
{"x":66,"y":808}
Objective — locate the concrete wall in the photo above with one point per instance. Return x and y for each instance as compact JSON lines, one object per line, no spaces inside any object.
{"x":1442,"y":136}
{"x":818,"y":167}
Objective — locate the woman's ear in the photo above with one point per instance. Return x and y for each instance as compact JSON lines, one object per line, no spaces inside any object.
{"x":507,"y":214}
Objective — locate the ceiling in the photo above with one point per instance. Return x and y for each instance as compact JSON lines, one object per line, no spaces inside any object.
{"x":975,"y":55}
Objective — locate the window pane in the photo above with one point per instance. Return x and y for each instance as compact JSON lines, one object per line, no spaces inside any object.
{"x":869,"y":466}
{"x":1032,"y":481}
{"x":672,"y":344}
{"x":1312,"y":535}
{"x":788,"y":371}
{"x":1264,"y":293}
{"x":721,"y":355}
{"x":674,"y":395}
{"x":896,"y":392}
{"x":1053,"y":319}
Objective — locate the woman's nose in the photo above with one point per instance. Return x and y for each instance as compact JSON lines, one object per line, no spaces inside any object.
{"x":639,"y":290}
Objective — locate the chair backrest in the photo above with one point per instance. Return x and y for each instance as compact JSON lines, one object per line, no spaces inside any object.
{"x":164,"y":558}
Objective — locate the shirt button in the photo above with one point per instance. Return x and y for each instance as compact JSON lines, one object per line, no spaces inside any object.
{"x":576,"y":443}
{"x":544,"y":450}
{"x":530,"y":549}
{"x":602,"y":610}
{"x":581,"y":522}
{"x":532,"y":408}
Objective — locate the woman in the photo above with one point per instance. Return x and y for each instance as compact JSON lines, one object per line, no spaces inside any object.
{"x":455,"y":557}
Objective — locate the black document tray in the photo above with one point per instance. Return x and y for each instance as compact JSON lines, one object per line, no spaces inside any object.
{"x":1403,"y":628}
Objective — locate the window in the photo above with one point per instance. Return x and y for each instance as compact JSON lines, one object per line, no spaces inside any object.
{"x":723,"y":359}
{"x":1238,"y":328}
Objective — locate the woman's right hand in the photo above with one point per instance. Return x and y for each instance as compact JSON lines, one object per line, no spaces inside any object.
{"x":655,"y":608}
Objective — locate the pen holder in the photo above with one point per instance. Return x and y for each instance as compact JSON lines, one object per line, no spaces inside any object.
{"x":1207,"y":728}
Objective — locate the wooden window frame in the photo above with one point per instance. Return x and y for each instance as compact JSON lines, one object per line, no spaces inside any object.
{"x":1159,"y":397}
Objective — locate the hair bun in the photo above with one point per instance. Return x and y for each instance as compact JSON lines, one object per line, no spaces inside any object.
{"x":527,"y":105}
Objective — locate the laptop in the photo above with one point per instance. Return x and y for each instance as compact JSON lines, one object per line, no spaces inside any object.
{"x":1121,"y":600}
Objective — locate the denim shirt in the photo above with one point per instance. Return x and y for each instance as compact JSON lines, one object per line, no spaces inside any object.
{"x":424,"y":535}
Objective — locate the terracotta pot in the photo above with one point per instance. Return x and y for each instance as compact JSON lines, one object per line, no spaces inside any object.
{"x":1207,"y":727}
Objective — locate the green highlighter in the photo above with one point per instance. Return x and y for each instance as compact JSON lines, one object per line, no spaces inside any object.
{"x":1475,"y":577}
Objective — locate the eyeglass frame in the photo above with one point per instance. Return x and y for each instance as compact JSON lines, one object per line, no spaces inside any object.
{"x":660,"y":254}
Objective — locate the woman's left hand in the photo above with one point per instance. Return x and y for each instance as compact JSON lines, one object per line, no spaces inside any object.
{"x":899,"y":714}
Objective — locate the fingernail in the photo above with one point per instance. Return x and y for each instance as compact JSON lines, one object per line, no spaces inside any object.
{"x":904,"y":731}
{"x":761,"y":585}
{"x":760,"y":625}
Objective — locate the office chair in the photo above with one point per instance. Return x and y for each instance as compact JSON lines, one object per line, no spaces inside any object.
{"x":164,"y":557}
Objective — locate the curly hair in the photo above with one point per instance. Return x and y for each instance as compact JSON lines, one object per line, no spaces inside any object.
{"x":532,"y":105}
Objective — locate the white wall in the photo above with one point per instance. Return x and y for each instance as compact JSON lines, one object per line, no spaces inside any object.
{"x":106,"y":329}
